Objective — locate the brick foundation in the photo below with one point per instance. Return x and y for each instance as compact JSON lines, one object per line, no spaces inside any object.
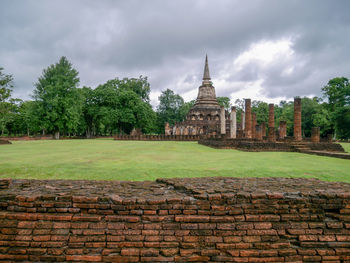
{"x":157,"y":137}
{"x":176,"y":220}
{"x":4,"y":142}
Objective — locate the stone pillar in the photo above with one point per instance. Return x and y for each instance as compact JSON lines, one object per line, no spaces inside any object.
{"x":258,"y":132}
{"x":297,"y":119}
{"x":242,"y":121}
{"x":271,"y":131}
{"x":248,"y":119}
{"x":185,"y":132}
{"x":178,"y":131}
{"x":315,"y":134}
{"x":222,"y":120}
{"x":253,"y":125}
{"x":263,"y":129}
{"x":167,"y":129}
{"x":233,"y":123}
{"x":282,"y":129}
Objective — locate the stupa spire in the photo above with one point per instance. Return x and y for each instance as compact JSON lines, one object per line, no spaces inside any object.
{"x":206,"y":75}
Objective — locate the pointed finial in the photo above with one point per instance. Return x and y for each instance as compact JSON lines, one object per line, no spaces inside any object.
{"x":206,"y":76}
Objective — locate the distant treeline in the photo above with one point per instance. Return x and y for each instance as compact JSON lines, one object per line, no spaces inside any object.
{"x":59,"y":107}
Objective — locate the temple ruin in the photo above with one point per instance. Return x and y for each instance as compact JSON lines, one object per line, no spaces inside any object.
{"x":210,"y":119}
{"x":219,"y":128}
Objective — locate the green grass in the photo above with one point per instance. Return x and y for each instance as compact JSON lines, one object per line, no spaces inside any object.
{"x":346,"y":146}
{"x":106,"y":159}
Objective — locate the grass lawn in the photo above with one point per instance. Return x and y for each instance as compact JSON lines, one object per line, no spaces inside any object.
{"x":346,"y":146}
{"x":106,"y":159}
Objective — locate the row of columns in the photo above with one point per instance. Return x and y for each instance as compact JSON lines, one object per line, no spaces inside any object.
{"x":252,"y":130}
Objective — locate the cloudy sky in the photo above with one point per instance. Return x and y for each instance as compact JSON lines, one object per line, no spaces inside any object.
{"x":267,"y":50}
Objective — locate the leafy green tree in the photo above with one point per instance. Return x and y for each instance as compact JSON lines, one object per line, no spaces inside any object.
{"x":6,"y":103}
{"x":224,"y":101}
{"x":118,"y":106}
{"x":58,"y":98}
{"x":169,"y":108}
{"x":262,"y":111}
{"x":337,"y":91}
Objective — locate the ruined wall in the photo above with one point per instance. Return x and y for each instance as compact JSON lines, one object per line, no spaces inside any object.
{"x":4,"y":142}
{"x":158,"y":137}
{"x":256,"y":145}
{"x":182,"y":220}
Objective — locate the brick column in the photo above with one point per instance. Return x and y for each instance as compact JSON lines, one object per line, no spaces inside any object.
{"x":263,"y":129}
{"x":315,"y":134}
{"x":222,"y":120}
{"x":297,"y":119}
{"x":248,"y":119}
{"x":258,"y":132}
{"x":283,"y":129}
{"x":233,"y":123}
{"x":271,"y":131}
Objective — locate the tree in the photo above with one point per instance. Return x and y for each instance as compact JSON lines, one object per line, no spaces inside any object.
{"x":118,"y":106}
{"x":6,"y":104}
{"x":185,"y":108}
{"x":224,"y":101}
{"x":337,"y":91}
{"x":169,"y":108}
{"x":59,"y":101}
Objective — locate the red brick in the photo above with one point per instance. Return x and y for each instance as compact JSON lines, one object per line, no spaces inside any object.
{"x":265,"y":225}
{"x":308,"y":238}
{"x":149,"y":252}
{"x":130,"y":252}
{"x":131,"y":219}
{"x":26,"y":224}
{"x":192,"y":218}
{"x":249,"y":253}
{"x":61,"y":225}
{"x":251,"y":239}
{"x":88,"y":258}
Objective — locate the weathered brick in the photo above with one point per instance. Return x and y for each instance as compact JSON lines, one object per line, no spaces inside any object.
{"x":88,"y":258}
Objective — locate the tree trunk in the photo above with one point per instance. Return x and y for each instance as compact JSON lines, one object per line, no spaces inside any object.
{"x":88,"y":133}
{"x":57,"y":135}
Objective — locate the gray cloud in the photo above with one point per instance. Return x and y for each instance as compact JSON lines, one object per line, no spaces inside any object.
{"x":167,"y":41}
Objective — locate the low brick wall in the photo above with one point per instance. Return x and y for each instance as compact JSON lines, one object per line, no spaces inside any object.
{"x":255,"y":145}
{"x":27,"y":138}
{"x":4,"y":142}
{"x":157,"y":137}
{"x":175,"y":220}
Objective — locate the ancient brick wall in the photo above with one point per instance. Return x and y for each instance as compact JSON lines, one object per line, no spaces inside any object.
{"x":255,"y":145}
{"x":158,"y":137}
{"x":175,"y":220}
{"x":4,"y":142}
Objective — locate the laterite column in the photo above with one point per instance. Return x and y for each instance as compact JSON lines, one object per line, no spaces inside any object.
{"x":233,"y":123}
{"x":315,"y":134}
{"x":297,"y":119}
{"x":263,"y":129}
{"x":258,"y":133}
{"x":271,"y":131}
{"x":283,"y":129}
{"x":243,"y":121}
{"x":248,"y":118}
{"x":222,"y":120}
